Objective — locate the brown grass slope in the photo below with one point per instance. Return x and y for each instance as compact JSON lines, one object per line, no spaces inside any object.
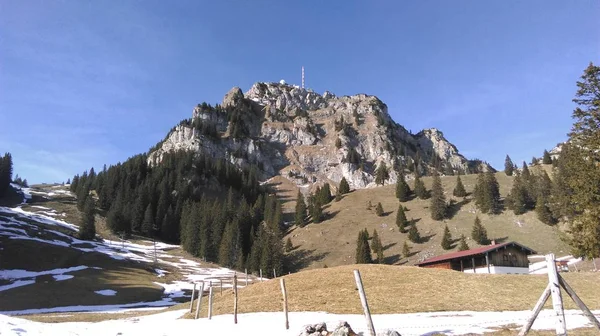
{"x":333,"y":241}
{"x":392,"y":289}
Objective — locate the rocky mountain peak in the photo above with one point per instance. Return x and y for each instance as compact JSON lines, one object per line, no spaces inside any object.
{"x":310,"y":138}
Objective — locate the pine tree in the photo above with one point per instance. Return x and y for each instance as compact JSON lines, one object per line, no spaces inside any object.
{"x":419,"y":188}
{"x":363,"y":251}
{"x":518,"y":196}
{"x":459,"y":189}
{"x":377,"y":247}
{"x":546,"y":159}
{"x":300,"y":210}
{"x":543,"y":211}
{"x":382,"y":174}
{"x":402,"y":189}
{"x":88,"y":221}
{"x":487,"y":193}
{"x":379,"y":209}
{"x":462,"y":245}
{"x":148,"y":223}
{"x":316,"y":211}
{"x":508,"y":166}
{"x":413,"y":234}
{"x":405,"y":250}
{"x":446,"y":239}
{"x":438,"y":200}
{"x":6,"y":170}
{"x":344,"y":186}
{"x":338,"y":143}
{"x":401,"y":219}
{"x":479,"y":233}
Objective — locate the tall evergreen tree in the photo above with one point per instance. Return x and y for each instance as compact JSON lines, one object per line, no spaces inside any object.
{"x":363,"y":251}
{"x":379,"y":209}
{"x":413,"y":234}
{"x":300,"y":210}
{"x":508,"y":166}
{"x":344,"y":187}
{"x":446,"y":239}
{"x":518,"y":199}
{"x":582,"y":173}
{"x":402,"y":188}
{"x":419,"y":188}
{"x":6,"y":170}
{"x":543,"y":211}
{"x":459,"y":189}
{"x":546,"y":159}
{"x":487,"y":193}
{"x":438,"y":200}
{"x":462,"y":245}
{"x":479,"y":233}
{"x":401,"y":219}
{"x":382,"y":173}
{"x":148,"y":223}
{"x":377,"y":247}
{"x":88,"y":222}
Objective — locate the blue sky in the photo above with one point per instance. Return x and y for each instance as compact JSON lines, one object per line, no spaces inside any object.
{"x":83,"y":83}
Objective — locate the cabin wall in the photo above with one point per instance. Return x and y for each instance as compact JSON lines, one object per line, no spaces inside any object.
{"x":509,"y":257}
{"x":444,"y":265}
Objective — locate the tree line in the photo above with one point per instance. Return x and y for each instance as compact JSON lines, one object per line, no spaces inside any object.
{"x":214,"y":209}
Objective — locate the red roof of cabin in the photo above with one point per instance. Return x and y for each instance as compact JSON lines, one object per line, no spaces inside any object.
{"x":472,"y":252}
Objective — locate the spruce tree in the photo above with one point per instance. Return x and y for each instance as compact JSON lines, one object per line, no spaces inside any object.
{"x":438,"y":200}
{"x":382,"y":173}
{"x":543,"y":211}
{"x":87,"y":230}
{"x":300,"y":214}
{"x":377,"y":247}
{"x":148,"y":223}
{"x":462,"y":245}
{"x":479,"y":233}
{"x":405,"y":250}
{"x":413,"y":234}
{"x":446,"y":239}
{"x":459,"y":189}
{"x":546,"y":159}
{"x":379,"y":209}
{"x":419,"y":188}
{"x":363,"y":251}
{"x":508,"y":166}
{"x":518,"y":196}
{"x":288,"y":245}
{"x":6,"y":170}
{"x":402,"y":189}
{"x":401,"y":219}
{"x":487,"y":193}
{"x":344,"y":186}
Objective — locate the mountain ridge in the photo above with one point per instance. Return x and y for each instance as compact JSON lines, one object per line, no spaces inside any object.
{"x":312,"y":138}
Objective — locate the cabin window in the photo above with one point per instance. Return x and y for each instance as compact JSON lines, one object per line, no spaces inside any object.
{"x":505,"y":258}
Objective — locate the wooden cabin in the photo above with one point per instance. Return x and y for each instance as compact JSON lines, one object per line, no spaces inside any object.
{"x":505,"y":258}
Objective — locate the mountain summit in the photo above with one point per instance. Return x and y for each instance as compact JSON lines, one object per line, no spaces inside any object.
{"x":307,"y":137}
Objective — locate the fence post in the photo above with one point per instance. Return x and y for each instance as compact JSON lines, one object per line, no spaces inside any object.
{"x":210,"y":297}
{"x":221,"y":284}
{"x":192,"y":301}
{"x":557,"y":304}
{"x":536,"y":311}
{"x":363,"y":300}
{"x":260,"y":272}
{"x":285,"y":305}
{"x":235,"y":299}
{"x":580,"y":304}
{"x":274,"y":274}
{"x":199,"y":306}
{"x":246,"y":271}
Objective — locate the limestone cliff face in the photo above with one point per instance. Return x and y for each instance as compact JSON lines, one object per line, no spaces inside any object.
{"x":311,"y":138}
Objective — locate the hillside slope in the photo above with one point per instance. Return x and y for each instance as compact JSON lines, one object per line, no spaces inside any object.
{"x":44,"y":267}
{"x":333,"y":241}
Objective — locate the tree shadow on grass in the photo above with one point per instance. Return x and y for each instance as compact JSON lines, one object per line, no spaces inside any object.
{"x":301,"y":258}
{"x":454,"y":207}
{"x":391,"y":260}
{"x":425,"y":239}
{"x":388,"y":246}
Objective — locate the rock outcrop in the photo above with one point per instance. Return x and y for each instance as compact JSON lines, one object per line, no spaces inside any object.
{"x":311,"y":138}
{"x":342,"y":329}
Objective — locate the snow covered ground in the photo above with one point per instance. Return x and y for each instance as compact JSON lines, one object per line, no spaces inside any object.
{"x":267,"y":324}
{"x":19,"y":224}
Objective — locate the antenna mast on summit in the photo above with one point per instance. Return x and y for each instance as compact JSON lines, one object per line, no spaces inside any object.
{"x":303,"y":77}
